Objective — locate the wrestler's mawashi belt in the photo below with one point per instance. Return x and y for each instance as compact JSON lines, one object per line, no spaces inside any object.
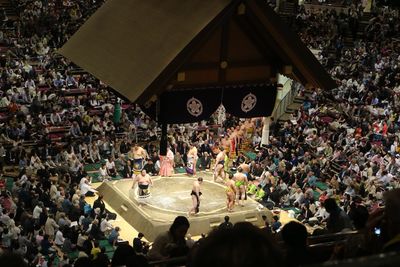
{"x":138,"y":164}
{"x":143,"y":191}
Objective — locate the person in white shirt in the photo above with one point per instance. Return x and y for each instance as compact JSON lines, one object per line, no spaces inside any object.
{"x":110,"y":166}
{"x":55,"y":118}
{"x":105,"y":226}
{"x":14,"y":230}
{"x":4,"y":102}
{"x":59,"y":238}
{"x":94,"y":153}
{"x":256,"y":140}
{"x":30,"y":83}
{"x":298,"y":197}
{"x":23,"y":179}
{"x":37,"y":211}
{"x":103,"y":174}
{"x":321,"y":213}
{"x":385,"y":177}
{"x":42,"y":119}
{"x":53,"y":191}
{"x":86,"y":189}
{"x":50,"y":226}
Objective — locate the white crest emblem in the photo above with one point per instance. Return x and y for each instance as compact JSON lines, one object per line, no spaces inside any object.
{"x":249,"y":102}
{"x":194,"y":107}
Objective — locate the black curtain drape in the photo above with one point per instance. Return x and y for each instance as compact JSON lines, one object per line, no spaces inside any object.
{"x":244,"y":101}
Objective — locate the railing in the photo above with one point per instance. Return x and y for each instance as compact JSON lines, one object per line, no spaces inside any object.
{"x":281,"y":107}
{"x":178,"y":261}
{"x":378,"y":260}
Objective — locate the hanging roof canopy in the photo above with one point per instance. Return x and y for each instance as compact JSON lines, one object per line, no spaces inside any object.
{"x":144,"y":48}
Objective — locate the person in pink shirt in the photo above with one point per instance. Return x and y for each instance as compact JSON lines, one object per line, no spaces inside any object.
{"x":384,"y":129}
{"x":167,"y":163}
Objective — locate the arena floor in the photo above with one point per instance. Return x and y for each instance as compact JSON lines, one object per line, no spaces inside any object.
{"x":170,"y":197}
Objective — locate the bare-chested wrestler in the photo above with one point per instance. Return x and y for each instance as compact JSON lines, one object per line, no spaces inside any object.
{"x":219,"y":171}
{"x":230,"y":193}
{"x":239,"y":139}
{"x":225,"y":143}
{"x":233,"y":140}
{"x":245,"y":169}
{"x":196,"y":193}
{"x":241,"y":184}
{"x":137,"y":155}
{"x":144,"y":181}
{"x":248,"y":128}
{"x":191,"y":160}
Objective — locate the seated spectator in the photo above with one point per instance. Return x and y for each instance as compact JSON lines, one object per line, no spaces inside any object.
{"x":59,"y":238}
{"x":114,"y":235}
{"x":110,"y":165}
{"x":256,"y":170}
{"x":178,"y":160}
{"x":297,"y":198}
{"x":94,"y":230}
{"x":75,"y":130}
{"x":140,"y":246}
{"x":171,"y":243}
{"x":125,"y":255}
{"x":86,"y":189}
{"x":242,"y":245}
{"x":294,"y":235}
{"x":311,"y":179}
{"x":103,"y":173}
{"x":46,"y":246}
{"x":102,"y":259}
{"x":226,"y":224}
{"x":12,"y":260}
{"x":105,"y":226}
{"x":256,"y":140}
{"x":259,"y":193}
{"x":99,"y":203}
{"x":127,"y":171}
{"x":150,"y":167}
{"x":83,"y":262}
{"x":55,"y":118}
{"x":240,"y":159}
{"x":338,"y":220}
{"x":305,"y":213}
{"x":95,"y":250}
{"x":276,"y":224}
{"x":392,"y":217}
{"x":205,"y":162}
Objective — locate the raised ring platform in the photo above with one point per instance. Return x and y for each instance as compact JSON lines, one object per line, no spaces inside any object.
{"x":170,"y":197}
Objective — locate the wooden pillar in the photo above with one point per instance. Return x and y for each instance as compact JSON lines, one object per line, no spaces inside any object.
{"x":164,"y":128}
{"x":164,"y":139}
